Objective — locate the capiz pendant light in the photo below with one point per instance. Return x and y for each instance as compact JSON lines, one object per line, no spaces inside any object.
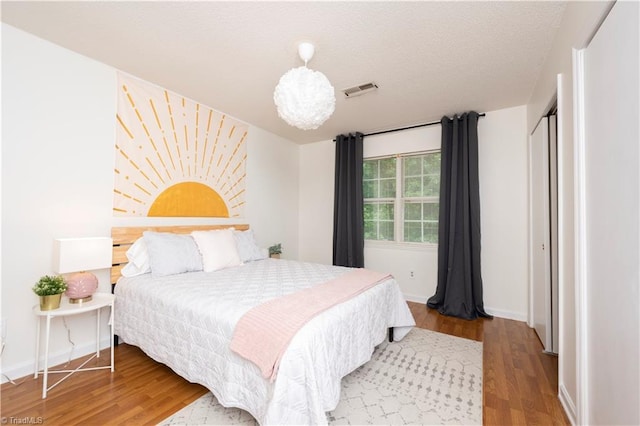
{"x":305,"y":98}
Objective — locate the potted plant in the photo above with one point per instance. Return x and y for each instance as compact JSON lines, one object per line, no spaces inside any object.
{"x":275,"y":250}
{"x":50,"y":289}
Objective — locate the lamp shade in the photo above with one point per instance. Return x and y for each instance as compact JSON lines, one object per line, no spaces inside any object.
{"x":81,"y":254}
{"x":305,"y":99}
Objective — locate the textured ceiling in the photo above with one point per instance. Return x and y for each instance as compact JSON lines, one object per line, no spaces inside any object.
{"x":428,"y":58}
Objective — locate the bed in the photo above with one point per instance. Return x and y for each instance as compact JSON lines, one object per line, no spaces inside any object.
{"x":187,"y":321}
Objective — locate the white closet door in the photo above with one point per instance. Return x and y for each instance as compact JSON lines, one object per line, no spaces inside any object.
{"x":540,"y":244}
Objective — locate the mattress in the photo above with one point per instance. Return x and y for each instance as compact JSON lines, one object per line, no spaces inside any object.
{"x":186,"y":321}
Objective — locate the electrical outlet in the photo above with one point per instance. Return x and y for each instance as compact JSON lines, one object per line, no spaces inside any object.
{"x":411,"y":274}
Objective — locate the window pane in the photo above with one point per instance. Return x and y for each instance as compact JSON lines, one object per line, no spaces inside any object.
{"x":431,"y":163}
{"x":370,"y":169}
{"x":370,"y":188}
{"x":388,"y":167}
{"x":412,"y":186}
{"x":369,"y":230}
{"x":412,"y":211}
{"x":430,"y":232}
{"x":413,"y":232}
{"x":386,"y":231}
{"x":387,"y":188}
{"x":412,"y":166}
{"x":367,"y":211}
{"x":379,"y":221}
{"x":431,"y":185}
{"x":430,"y":211}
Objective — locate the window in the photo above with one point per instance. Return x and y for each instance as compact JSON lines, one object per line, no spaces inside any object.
{"x":379,"y":191}
{"x":401,"y":198}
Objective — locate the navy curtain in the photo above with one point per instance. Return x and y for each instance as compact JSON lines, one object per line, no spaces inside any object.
{"x":459,"y":289}
{"x":348,"y":220}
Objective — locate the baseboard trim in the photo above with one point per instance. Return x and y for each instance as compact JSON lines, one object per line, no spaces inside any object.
{"x":414,"y":298}
{"x":500,"y":313}
{"x":567,"y":404}
{"x":24,"y":369}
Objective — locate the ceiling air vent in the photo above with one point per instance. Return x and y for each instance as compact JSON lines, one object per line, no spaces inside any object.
{"x":360,"y":89}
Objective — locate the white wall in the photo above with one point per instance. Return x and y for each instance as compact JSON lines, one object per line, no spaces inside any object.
{"x":272,"y":190}
{"x":612,"y":221}
{"x":504,"y":200}
{"x":57,"y":176}
{"x":317,"y":177}
{"x":504,"y":205}
{"x":579,"y":23}
{"x":58,"y":135}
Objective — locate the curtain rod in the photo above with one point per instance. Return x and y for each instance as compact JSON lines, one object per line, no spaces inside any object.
{"x":410,"y":127}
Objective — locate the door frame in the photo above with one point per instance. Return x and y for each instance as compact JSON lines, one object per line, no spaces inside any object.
{"x":582,"y":319}
{"x":555,"y":102}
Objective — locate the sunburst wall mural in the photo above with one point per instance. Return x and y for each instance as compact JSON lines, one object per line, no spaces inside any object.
{"x":176,"y":157}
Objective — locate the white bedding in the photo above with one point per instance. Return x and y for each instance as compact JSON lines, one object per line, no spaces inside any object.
{"x":186,"y":321}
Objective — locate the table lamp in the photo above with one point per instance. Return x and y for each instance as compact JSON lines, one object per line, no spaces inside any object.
{"x":76,"y":256}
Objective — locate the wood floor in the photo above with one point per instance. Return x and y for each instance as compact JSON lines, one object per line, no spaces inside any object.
{"x":520,"y":383}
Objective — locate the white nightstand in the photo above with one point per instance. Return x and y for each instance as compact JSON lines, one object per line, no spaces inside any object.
{"x":99,"y":301}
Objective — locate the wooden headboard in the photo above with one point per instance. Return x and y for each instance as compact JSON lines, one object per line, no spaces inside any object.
{"x":124,"y":236}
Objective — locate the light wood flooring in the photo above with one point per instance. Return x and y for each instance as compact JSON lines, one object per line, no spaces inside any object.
{"x":520,"y":382}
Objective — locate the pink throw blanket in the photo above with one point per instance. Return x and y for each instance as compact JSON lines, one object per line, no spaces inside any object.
{"x":263,"y":334}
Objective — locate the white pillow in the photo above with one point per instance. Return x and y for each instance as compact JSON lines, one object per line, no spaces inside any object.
{"x":171,"y":254}
{"x":131,"y":270}
{"x":247,"y":247}
{"x":138,"y":257}
{"x":218,"y":249}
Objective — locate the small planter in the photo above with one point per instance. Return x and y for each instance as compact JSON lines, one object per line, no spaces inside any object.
{"x":50,"y":289}
{"x":275,"y":250}
{"x":49,"y":303}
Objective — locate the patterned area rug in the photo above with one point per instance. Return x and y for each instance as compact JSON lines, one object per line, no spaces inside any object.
{"x":427,"y":378}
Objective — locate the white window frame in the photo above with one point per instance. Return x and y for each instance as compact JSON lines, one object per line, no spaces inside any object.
{"x":387,"y":200}
{"x":398,"y":205}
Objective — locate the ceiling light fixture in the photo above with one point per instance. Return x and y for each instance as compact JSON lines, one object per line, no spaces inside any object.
{"x":305,"y":98}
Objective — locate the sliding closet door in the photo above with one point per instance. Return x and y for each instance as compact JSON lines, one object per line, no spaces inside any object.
{"x":540,"y":235}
